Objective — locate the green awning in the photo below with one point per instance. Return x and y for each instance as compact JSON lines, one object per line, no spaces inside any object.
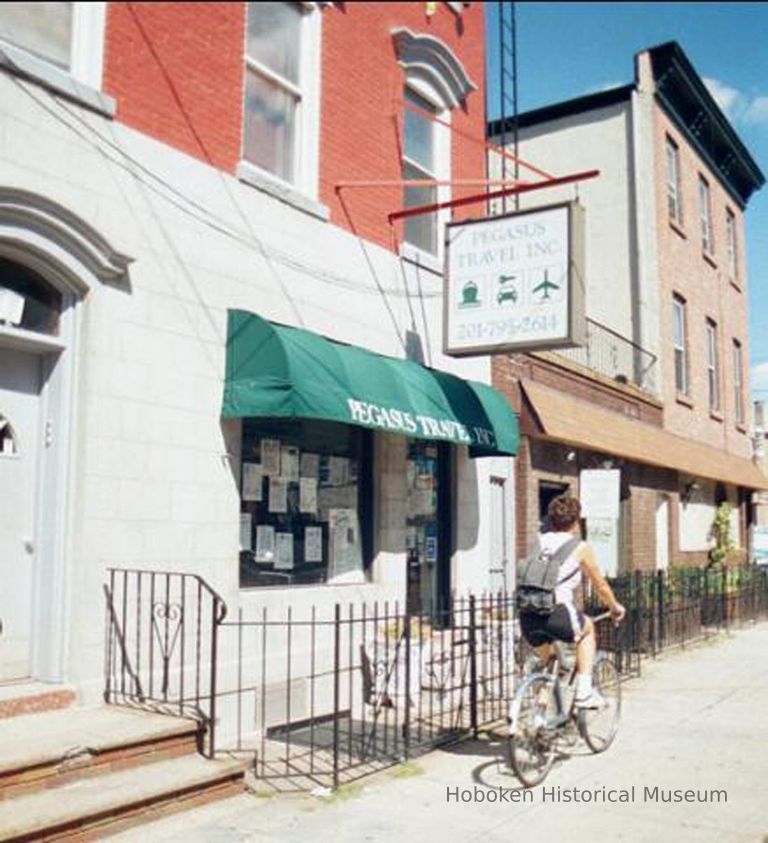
{"x":277,"y":371}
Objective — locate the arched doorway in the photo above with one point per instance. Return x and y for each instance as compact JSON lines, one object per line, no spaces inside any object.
{"x":49,"y":260}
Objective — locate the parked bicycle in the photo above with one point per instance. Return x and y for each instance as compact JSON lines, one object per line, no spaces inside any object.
{"x":543,"y":714}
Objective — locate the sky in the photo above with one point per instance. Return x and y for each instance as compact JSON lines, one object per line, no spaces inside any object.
{"x":566,"y":50}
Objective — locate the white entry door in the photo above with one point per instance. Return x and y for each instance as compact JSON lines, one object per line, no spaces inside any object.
{"x":662,"y":534}
{"x":20,"y":383}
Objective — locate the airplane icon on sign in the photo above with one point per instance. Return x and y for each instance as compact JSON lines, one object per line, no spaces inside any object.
{"x":545,"y":286}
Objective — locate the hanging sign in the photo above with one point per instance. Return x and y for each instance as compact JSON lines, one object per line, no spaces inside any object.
{"x":515,"y":282}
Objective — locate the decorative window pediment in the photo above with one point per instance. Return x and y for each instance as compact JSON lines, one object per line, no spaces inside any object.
{"x":428,"y":58}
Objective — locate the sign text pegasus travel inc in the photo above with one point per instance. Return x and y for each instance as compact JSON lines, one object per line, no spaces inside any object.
{"x":515,"y":282}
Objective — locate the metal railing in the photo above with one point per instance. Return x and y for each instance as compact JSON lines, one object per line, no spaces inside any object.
{"x":613,"y":355}
{"x":161,"y":648}
{"x":321,"y":698}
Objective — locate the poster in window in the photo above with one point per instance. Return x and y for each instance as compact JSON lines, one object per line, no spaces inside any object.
{"x":289,"y":463}
{"x":270,"y":457}
{"x":310,"y":465}
{"x":246,"y":524}
{"x":308,"y":495}
{"x":345,"y":551}
{"x":284,"y":551}
{"x":252,"y":481}
{"x":265,"y":543}
{"x":278,"y":495}
{"x":313,"y":544}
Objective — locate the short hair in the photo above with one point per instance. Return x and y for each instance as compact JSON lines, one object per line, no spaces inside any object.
{"x":563,"y":512}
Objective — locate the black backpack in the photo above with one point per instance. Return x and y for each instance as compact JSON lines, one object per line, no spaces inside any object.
{"x":535,"y":592}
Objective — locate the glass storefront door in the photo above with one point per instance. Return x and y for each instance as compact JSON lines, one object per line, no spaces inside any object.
{"x":428,"y":533}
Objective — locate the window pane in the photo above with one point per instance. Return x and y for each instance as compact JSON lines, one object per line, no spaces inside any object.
{"x":420,"y":231}
{"x":680,"y":381}
{"x":678,"y":323}
{"x":274,"y":35}
{"x":419,"y":141}
{"x":270,"y":119}
{"x":42,"y":28}
{"x":27,"y":301}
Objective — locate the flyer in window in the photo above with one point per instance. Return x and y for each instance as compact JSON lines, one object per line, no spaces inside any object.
{"x":310,"y":465}
{"x":278,"y":494}
{"x":313,"y":544}
{"x":252,"y":481}
{"x":308,"y":494}
{"x":284,"y":551}
{"x":265,"y":543}
{"x":246,"y":523}
{"x":338,"y":471}
{"x":345,"y":551}
{"x":289,"y":463}
{"x":270,"y":457}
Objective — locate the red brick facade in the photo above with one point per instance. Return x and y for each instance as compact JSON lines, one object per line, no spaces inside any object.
{"x":176,"y":71}
{"x":362,"y":111}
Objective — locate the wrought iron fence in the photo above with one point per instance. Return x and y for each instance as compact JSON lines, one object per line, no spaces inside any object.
{"x":325,"y":696}
{"x":613,"y":355}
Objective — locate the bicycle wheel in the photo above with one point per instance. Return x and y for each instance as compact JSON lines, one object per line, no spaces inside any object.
{"x":598,"y":727}
{"x":531,"y":749}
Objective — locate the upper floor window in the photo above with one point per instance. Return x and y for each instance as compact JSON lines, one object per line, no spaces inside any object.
{"x":435,"y":83}
{"x":713,"y":368}
{"x":705,"y":212}
{"x":674,"y":198}
{"x":738,"y":382}
{"x":44,"y":29}
{"x":60,"y":45}
{"x":420,"y":161}
{"x":281,"y":91}
{"x":680,"y":341}
{"x":730,"y":236}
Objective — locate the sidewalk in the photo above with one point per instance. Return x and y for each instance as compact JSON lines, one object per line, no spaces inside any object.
{"x":697,"y":719}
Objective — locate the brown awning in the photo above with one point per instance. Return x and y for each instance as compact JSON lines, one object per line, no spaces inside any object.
{"x":579,"y":423}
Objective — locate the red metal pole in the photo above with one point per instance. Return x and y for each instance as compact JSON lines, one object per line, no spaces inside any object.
{"x":484,"y":197}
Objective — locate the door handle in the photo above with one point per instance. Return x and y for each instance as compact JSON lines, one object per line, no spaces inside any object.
{"x":29,"y":545}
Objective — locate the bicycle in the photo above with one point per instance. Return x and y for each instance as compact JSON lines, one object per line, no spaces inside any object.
{"x":531,"y":743}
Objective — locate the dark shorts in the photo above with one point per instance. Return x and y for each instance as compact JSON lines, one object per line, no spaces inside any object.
{"x":564,"y":624}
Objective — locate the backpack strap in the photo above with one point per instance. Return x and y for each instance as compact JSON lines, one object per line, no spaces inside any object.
{"x":563,"y":553}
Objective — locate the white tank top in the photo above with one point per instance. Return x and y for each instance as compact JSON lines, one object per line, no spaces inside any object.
{"x":569,"y":575}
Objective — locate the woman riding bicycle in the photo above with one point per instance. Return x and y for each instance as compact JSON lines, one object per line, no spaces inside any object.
{"x":567,"y":623}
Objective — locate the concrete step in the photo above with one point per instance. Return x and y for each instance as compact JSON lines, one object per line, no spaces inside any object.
{"x":92,"y":808}
{"x":53,"y":749}
{"x":19,"y":698}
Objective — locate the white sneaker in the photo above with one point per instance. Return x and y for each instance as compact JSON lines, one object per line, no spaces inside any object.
{"x":595,"y":700}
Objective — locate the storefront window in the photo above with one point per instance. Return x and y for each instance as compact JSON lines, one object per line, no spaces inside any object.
{"x":427,"y":533}
{"x":305,"y":514}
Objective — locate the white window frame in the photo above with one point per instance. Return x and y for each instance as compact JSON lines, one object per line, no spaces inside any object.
{"x":307,"y":130}
{"x":84,"y":79}
{"x":731,"y":243}
{"x":441,"y":172}
{"x":674,"y":196}
{"x":679,"y":307}
{"x":705,"y":215}
{"x":713,"y":366}
{"x":738,"y":380}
